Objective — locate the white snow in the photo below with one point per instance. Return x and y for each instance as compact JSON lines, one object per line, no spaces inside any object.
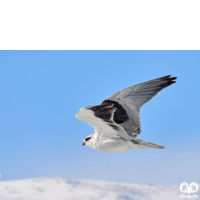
{"x":70,"y":189}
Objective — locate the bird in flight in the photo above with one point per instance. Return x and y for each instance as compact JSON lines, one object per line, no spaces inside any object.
{"x":116,"y":120}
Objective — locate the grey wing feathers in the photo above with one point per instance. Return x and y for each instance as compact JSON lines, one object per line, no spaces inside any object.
{"x":143,"y":92}
{"x":131,"y":100}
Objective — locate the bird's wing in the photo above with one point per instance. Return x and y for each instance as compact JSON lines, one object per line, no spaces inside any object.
{"x":101,"y":119}
{"x":129,"y":101}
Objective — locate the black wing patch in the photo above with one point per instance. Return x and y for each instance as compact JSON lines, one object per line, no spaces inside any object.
{"x":105,"y":112}
{"x":120,"y":115}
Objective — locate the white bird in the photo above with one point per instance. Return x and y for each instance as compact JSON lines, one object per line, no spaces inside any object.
{"x":116,"y":120}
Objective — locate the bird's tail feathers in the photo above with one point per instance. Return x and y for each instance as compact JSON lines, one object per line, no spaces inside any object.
{"x":147,"y":144}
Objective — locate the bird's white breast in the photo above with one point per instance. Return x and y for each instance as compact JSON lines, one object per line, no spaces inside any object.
{"x":112,"y":145}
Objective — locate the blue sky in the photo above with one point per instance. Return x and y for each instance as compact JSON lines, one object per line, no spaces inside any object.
{"x":41,"y":91}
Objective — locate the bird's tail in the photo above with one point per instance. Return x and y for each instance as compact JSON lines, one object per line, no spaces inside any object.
{"x":147,"y":144}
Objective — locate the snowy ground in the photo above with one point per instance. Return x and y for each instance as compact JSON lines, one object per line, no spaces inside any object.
{"x":69,"y":189}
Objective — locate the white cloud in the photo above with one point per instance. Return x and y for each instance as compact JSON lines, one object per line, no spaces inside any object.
{"x":62,"y":189}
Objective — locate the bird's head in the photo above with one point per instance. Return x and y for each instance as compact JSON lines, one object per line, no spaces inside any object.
{"x":87,"y":141}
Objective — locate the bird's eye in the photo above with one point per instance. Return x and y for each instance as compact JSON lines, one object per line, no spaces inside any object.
{"x":87,"y":138}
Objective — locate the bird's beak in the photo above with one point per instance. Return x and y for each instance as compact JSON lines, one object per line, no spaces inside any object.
{"x":83,"y":143}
